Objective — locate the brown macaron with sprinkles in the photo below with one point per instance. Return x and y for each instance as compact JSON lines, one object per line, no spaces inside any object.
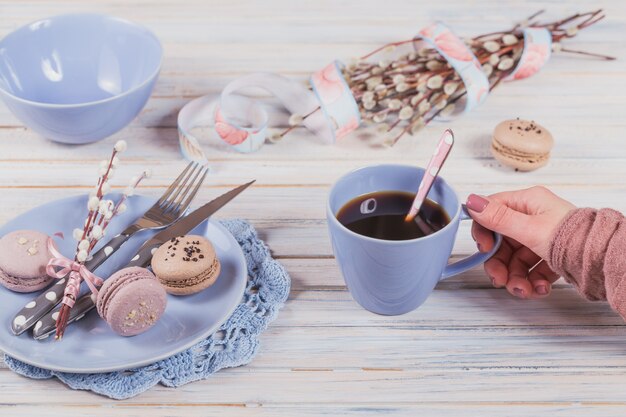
{"x":521,"y":144}
{"x":186,"y":265}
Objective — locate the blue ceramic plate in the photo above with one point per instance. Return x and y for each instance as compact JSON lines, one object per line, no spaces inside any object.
{"x":90,"y":345}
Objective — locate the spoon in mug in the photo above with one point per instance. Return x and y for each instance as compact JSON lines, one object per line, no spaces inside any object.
{"x":432,"y":170}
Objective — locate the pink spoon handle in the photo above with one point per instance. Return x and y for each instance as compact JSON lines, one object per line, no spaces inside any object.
{"x":432,"y":170}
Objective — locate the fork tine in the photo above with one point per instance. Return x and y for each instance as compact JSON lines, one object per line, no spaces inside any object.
{"x":177,"y":206}
{"x":190,"y":195}
{"x":169,"y":203}
{"x":174,"y":184}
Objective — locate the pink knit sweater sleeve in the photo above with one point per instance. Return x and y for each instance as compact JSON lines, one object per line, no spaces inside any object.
{"x":589,"y":250}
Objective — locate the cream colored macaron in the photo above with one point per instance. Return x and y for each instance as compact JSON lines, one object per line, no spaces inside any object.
{"x":521,"y":144}
{"x":186,"y":265}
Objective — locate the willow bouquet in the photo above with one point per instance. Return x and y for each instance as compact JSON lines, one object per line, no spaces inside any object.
{"x":403,"y":94}
{"x":100,"y":212}
{"x":399,"y":87}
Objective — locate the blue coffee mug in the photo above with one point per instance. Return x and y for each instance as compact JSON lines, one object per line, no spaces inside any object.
{"x":395,"y":277}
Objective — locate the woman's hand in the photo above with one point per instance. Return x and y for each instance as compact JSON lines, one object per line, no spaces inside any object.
{"x":527,"y":220}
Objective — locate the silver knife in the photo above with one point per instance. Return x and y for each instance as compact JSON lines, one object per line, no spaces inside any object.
{"x":47,"y":325}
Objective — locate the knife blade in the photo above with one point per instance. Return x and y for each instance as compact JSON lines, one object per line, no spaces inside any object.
{"x":47,"y":325}
{"x":187,"y":223}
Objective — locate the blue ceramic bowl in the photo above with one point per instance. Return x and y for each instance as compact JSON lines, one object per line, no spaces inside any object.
{"x":78,"y":78}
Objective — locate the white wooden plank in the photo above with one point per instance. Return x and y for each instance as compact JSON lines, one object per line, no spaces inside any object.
{"x":451,"y":308}
{"x":460,"y":171}
{"x":401,"y":349}
{"x":442,"y":409}
{"x":240,"y":386}
{"x":473,"y":140}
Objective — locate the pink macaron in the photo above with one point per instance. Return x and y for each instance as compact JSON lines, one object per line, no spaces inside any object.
{"x":24,"y":256}
{"x":131,"y":301}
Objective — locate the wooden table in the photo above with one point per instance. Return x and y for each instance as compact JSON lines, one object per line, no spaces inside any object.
{"x":470,"y":349}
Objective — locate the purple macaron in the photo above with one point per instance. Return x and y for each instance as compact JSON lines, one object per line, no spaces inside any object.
{"x":131,"y":301}
{"x":24,"y":256}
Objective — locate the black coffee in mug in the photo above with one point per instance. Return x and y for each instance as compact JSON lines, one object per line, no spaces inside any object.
{"x":381,"y":215}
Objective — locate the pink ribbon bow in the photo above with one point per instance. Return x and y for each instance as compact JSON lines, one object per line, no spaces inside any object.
{"x":77,"y":272}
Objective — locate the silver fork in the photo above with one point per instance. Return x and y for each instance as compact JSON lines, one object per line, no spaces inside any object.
{"x":171,"y":206}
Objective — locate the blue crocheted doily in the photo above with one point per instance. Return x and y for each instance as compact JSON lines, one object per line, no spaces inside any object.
{"x":234,"y":344}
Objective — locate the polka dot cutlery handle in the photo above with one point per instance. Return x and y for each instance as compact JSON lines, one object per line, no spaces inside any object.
{"x":46,"y":325}
{"x":144,"y":256}
{"x":35,"y":309}
{"x":106,"y":251}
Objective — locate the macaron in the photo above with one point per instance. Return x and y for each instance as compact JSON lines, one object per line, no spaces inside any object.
{"x":186,"y":265}
{"x":24,"y":256}
{"x":131,"y":301}
{"x":521,"y":144}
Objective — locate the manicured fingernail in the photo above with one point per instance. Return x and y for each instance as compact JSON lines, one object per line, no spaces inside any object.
{"x":518,"y":292}
{"x":541,"y":289}
{"x":476,"y":203}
